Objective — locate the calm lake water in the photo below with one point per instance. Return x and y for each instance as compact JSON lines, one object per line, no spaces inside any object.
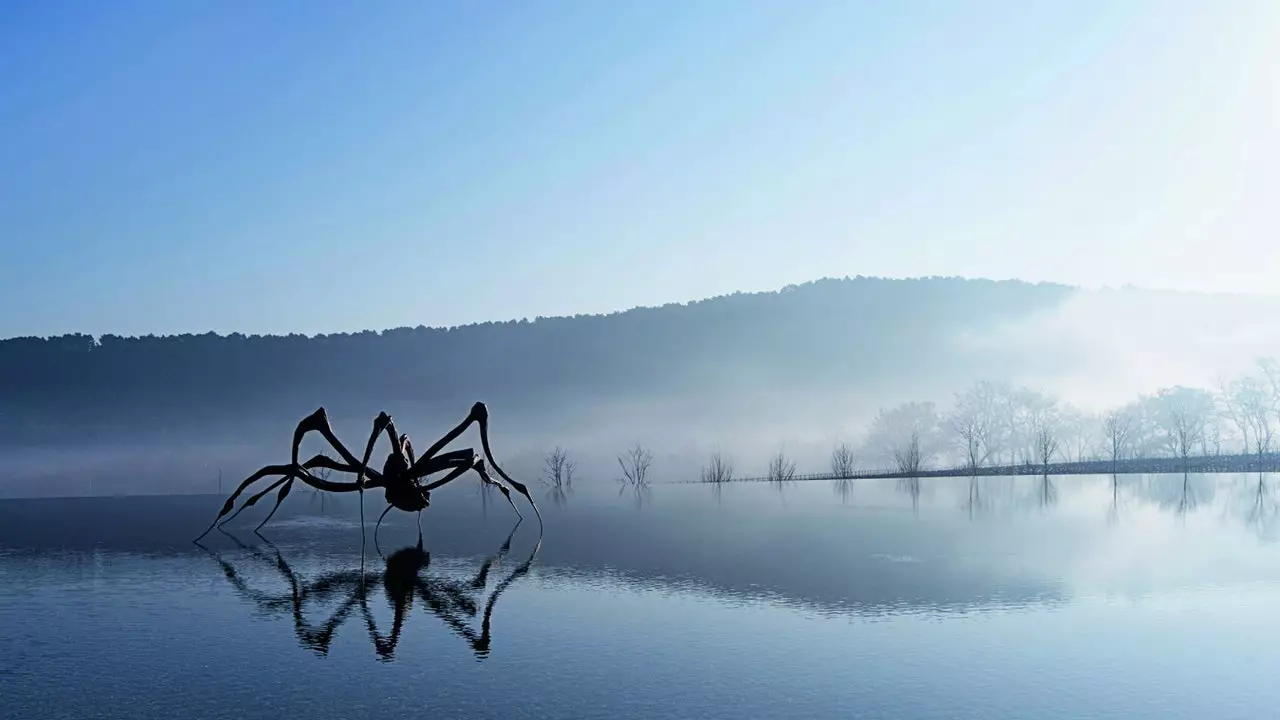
{"x":1011,"y":599}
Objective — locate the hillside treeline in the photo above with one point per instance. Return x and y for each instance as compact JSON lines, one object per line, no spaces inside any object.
{"x":825,"y":332}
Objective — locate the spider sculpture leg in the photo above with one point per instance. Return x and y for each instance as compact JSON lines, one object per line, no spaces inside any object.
{"x":480,"y":415}
{"x":320,"y":461}
{"x":288,"y":475}
{"x":379,"y":524}
{"x":317,"y":421}
{"x":460,"y":461}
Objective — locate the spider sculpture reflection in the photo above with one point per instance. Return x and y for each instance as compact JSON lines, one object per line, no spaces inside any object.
{"x":406,"y":581}
{"x":401,"y":474}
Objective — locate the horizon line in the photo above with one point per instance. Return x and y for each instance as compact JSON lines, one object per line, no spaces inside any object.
{"x":1127,"y":287}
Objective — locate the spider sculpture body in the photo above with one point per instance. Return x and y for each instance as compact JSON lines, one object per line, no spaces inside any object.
{"x":402,"y":477}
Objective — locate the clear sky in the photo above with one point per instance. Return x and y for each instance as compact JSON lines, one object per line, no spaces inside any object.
{"x":317,"y":166}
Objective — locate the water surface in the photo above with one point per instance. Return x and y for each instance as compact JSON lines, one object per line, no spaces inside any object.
{"x":1071,"y":598}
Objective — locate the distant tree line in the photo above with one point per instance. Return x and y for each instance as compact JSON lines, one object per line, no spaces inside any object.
{"x":995,"y":423}
{"x":817,"y":333}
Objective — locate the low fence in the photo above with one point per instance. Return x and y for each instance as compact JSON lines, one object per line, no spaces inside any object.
{"x":1204,"y":464}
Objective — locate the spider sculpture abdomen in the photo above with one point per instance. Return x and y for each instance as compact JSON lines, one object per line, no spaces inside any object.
{"x":402,"y":493}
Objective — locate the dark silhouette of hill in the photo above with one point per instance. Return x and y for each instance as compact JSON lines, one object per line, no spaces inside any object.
{"x":834,"y":333}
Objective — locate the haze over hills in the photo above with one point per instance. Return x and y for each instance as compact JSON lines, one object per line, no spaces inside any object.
{"x":804,"y":366}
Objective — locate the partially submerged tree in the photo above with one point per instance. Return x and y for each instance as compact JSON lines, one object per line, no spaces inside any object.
{"x":1077,"y":431}
{"x":974,"y":422}
{"x":908,"y":458}
{"x":1231,"y":399}
{"x":1186,"y":412}
{"x":1256,"y":399}
{"x":911,"y":428}
{"x":1046,"y":447}
{"x":635,"y":465}
{"x":842,"y":464}
{"x":1117,"y":426}
{"x":558,"y":468}
{"x":718,"y":470}
{"x":782,"y":469}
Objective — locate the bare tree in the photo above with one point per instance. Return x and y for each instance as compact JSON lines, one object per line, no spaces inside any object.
{"x":1118,"y":426}
{"x":1212,"y":440}
{"x":842,"y":461}
{"x":1260,"y":417}
{"x":1231,"y":399}
{"x":558,"y":468}
{"x":1147,"y":439}
{"x":1001,"y":409}
{"x":1028,"y":411}
{"x":894,"y":430}
{"x":1257,"y":398}
{"x":718,"y":470}
{"x":1076,"y":429}
{"x":908,"y":458}
{"x":973,"y":422}
{"x":1187,"y":413}
{"x":781,"y":468}
{"x":1183,"y":433}
{"x":1046,"y":447}
{"x":635,"y":465}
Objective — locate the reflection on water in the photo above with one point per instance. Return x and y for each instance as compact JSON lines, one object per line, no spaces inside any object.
{"x":404,"y":580}
{"x":1109,"y":597}
{"x":842,"y":487}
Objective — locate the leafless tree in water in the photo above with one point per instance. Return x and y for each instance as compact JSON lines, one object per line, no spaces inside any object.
{"x":558,"y":474}
{"x":782,"y":469}
{"x":1118,"y":427}
{"x":973,"y":434}
{"x":718,"y":470}
{"x":912,"y":427}
{"x":635,"y":466}
{"x":842,"y":463}
{"x":1046,"y":448}
{"x":558,"y":468}
{"x":1257,"y":400}
{"x":908,"y":458}
{"x":1186,"y":415}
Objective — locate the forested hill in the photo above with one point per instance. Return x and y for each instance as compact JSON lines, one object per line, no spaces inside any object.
{"x":829,"y":333}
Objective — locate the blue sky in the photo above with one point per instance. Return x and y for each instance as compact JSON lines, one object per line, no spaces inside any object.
{"x":324,"y":166}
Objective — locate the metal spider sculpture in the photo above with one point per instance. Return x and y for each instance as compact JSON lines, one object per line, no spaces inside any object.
{"x":402,"y":473}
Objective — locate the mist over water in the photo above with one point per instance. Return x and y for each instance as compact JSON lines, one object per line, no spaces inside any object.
{"x":799,"y":370}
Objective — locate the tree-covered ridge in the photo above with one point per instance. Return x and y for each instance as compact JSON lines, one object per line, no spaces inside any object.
{"x":811,"y":333}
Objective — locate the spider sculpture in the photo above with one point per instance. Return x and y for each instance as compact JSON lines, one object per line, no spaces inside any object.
{"x":402,"y":473}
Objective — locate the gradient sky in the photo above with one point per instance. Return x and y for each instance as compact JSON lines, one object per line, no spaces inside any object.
{"x":321,"y":166}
